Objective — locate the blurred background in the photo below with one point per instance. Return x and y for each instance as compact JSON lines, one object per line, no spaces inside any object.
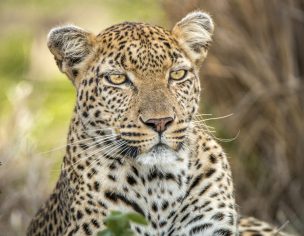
{"x":254,"y":71}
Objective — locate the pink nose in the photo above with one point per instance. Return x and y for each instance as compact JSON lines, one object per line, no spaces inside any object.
{"x":159,"y":125}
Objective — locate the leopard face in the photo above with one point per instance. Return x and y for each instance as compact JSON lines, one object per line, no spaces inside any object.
{"x":137,"y":85}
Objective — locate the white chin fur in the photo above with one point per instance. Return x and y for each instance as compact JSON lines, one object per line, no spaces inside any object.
{"x":158,"y":156}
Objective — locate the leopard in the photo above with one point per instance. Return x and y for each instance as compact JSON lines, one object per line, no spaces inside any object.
{"x":133,"y":144}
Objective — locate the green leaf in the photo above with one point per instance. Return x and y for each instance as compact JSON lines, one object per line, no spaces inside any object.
{"x":137,"y":218}
{"x":117,"y":222}
{"x":127,"y":232}
{"x":115,"y":213}
{"x":105,"y":232}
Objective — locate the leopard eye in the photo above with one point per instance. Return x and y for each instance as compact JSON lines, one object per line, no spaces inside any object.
{"x":117,"y":78}
{"x":178,"y":74}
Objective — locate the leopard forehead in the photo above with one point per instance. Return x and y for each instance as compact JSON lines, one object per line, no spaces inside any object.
{"x":139,"y":47}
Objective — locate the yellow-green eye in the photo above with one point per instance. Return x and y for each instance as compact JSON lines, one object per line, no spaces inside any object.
{"x":178,"y":74}
{"x":117,"y":79}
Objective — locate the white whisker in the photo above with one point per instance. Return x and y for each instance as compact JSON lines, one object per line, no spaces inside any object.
{"x":219,"y":117}
{"x":73,"y":144}
{"x":203,"y":114}
{"x":91,"y":154}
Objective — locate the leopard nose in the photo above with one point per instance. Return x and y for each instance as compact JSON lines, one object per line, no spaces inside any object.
{"x":159,"y":125}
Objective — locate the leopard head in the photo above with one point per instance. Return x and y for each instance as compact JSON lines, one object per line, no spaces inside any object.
{"x":137,"y":85}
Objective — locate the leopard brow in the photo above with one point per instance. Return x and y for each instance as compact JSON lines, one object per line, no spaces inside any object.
{"x":188,"y":68}
{"x":112,"y":72}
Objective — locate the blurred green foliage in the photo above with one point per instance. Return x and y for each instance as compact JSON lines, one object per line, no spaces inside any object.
{"x":145,"y":10}
{"x":14,"y":51}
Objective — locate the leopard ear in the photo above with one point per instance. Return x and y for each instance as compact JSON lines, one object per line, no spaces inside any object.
{"x":71,"y":46}
{"x":194,"y":33}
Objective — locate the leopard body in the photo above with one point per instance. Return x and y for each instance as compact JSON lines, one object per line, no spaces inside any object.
{"x":134,"y":145}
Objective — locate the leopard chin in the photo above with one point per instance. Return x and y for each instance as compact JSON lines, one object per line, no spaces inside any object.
{"x":158,"y":155}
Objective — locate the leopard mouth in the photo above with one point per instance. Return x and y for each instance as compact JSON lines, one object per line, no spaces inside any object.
{"x":161,"y":147}
{"x":158,"y":148}
{"x":159,"y":154}
{"x":133,"y":152}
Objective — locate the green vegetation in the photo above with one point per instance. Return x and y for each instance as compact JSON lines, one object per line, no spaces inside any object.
{"x":153,"y":14}
{"x":119,"y":224}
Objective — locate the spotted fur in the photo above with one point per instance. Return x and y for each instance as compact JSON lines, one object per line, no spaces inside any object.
{"x":179,"y":179}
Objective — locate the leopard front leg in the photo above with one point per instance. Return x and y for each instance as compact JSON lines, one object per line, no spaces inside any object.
{"x":209,"y":206}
